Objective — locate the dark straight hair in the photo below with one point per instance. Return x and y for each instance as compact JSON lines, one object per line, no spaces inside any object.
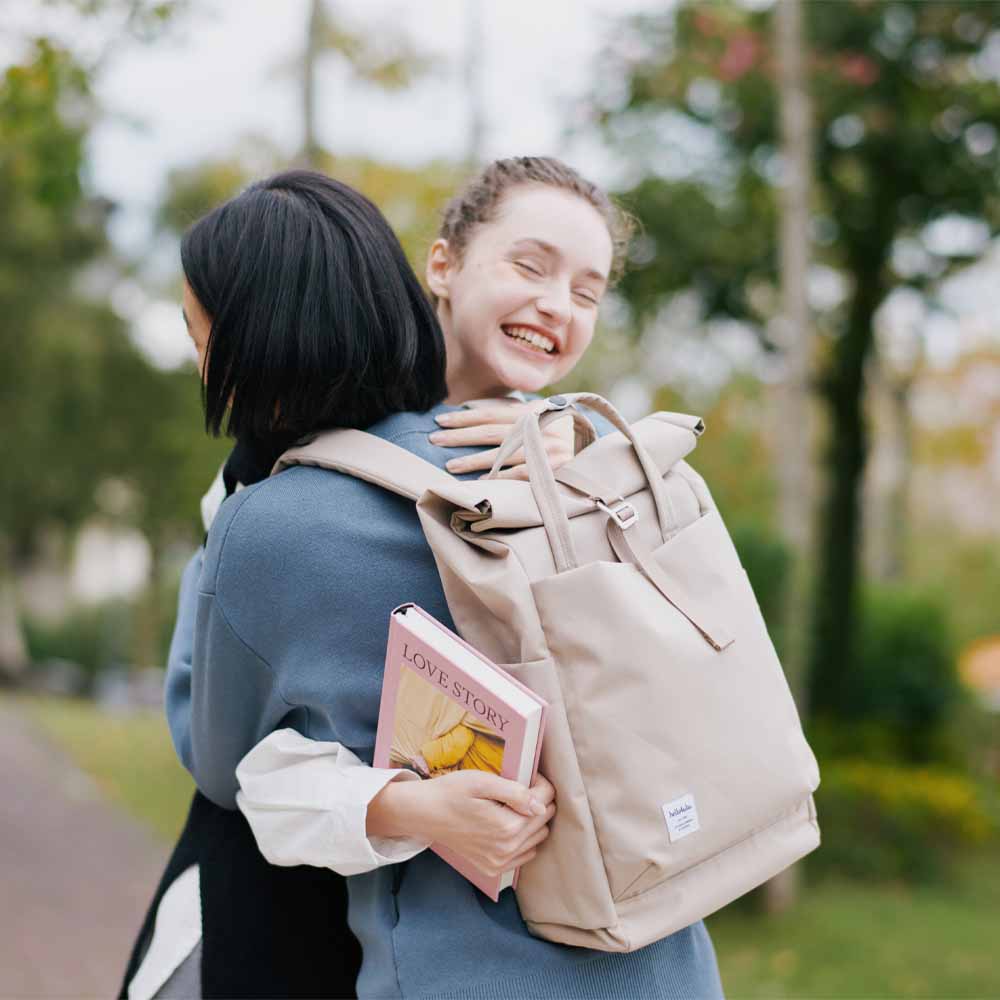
{"x":317,"y":317}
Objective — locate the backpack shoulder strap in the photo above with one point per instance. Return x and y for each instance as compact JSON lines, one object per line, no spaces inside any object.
{"x":365,"y":456}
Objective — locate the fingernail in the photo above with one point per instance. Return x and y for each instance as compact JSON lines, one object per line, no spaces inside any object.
{"x":455,"y":465}
{"x":444,"y":418}
{"x":436,"y":438}
{"x":536,"y":807}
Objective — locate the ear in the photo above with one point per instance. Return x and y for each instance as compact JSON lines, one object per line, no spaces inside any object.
{"x":439,"y":268}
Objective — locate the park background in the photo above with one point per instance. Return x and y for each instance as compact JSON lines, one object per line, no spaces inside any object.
{"x":819,"y":189}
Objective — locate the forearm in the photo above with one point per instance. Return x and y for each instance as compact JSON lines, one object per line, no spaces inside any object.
{"x":310,"y":802}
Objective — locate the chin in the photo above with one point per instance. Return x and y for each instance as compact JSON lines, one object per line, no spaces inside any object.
{"x":533,"y":382}
{"x":518,"y":374}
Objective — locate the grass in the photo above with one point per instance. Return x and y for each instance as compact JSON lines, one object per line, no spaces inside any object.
{"x":848,"y":939}
{"x":844,"y":939}
{"x":129,"y":755}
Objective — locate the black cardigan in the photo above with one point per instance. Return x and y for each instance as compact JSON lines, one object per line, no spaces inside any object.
{"x":266,"y":931}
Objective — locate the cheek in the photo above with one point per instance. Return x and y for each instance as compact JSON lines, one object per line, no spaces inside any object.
{"x":581,"y":334}
{"x":476,"y":316}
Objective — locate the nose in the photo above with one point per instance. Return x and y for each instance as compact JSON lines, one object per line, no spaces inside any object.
{"x":554,"y":303}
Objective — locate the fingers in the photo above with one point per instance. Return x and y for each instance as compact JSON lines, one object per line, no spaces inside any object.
{"x":508,"y":413}
{"x":543,"y":789}
{"x":518,"y":472}
{"x":536,"y":838}
{"x":481,"y":460}
{"x":558,"y":452}
{"x":484,"y":433}
{"x":489,"y":425}
{"x":509,"y":793}
{"x":470,"y":437}
{"x":527,"y":852}
{"x":515,"y":840}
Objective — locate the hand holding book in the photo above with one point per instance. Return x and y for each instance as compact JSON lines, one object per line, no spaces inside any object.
{"x":494,"y":822}
{"x":451,"y":715}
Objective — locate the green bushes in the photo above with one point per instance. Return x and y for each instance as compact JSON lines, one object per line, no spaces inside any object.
{"x":896,"y":697}
{"x":93,"y":637}
{"x":894,"y":803}
{"x":766,"y":559}
{"x":893,"y":822}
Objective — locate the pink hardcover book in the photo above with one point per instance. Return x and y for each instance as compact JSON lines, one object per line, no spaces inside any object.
{"x":445,"y":707}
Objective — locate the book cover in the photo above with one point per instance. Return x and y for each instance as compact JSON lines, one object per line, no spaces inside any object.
{"x":445,"y":707}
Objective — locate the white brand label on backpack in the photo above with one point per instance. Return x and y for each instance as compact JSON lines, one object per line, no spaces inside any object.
{"x":682,"y":817}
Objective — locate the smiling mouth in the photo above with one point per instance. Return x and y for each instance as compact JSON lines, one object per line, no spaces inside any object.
{"x":531,"y":339}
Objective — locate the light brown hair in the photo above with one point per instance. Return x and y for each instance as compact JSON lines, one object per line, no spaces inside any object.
{"x":480,"y":200}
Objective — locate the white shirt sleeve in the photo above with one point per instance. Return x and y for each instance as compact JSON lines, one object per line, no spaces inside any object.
{"x":307,"y":804}
{"x":212,"y":500}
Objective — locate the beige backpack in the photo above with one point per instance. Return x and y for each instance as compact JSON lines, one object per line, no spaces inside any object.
{"x":611,"y":587}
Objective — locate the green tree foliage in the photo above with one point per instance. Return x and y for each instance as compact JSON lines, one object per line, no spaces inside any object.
{"x":411,"y":198}
{"x":82,"y":406}
{"x":51,"y":341}
{"x":906,"y":114}
{"x":193,"y":191}
{"x":83,"y":403}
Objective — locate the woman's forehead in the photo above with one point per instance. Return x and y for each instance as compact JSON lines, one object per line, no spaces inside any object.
{"x":555,"y":221}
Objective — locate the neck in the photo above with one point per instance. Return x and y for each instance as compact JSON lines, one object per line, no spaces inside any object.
{"x":466,"y":380}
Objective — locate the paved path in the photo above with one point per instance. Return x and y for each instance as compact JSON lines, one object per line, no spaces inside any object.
{"x":76,"y":873}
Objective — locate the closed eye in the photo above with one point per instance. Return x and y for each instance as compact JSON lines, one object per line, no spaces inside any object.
{"x":587,"y":296}
{"x":529,"y":268}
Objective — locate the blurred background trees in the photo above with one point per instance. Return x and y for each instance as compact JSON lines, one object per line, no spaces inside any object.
{"x":905,"y":112}
{"x":100,"y":432}
{"x":905,"y":138}
{"x":818,"y":238}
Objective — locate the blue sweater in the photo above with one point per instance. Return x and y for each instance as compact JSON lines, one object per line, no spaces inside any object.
{"x":290,"y":609}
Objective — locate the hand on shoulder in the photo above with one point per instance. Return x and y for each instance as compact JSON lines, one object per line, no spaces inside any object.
{"x":486,"y":426}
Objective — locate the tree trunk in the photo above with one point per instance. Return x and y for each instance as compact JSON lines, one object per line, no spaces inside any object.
{"x":309,"y":156}
{"x":13,"y":652}
{"x":149,"y":624}
{"x":793,"y":410}
{"x":898,"y":505}
{"x":474,"y":40}
{"x":835,"y":608}
{"x":888,"y":485}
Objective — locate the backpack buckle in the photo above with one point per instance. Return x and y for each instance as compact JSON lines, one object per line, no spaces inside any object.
{"x":622,"y":513}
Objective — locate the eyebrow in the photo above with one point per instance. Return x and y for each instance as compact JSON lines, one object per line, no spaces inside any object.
{"x":554,"y":251}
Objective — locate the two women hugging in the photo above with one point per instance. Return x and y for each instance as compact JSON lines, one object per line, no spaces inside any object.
{"x":302,"y":870}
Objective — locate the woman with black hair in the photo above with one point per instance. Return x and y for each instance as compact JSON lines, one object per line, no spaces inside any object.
{"x":301,"y":294}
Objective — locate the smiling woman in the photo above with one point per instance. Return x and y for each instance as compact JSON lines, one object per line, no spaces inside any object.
{"x":524,"y":257}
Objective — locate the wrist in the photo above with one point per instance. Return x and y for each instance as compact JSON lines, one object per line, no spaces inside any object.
{"x":394,"y":811}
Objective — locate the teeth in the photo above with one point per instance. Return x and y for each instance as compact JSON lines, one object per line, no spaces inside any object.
{"x":531,"y":337}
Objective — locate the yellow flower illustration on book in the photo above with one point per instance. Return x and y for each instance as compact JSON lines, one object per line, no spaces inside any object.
{"x":432,"y":734}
